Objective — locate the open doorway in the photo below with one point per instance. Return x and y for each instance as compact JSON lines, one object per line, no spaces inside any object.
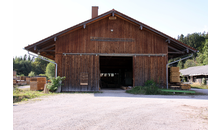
{"x":115,"y":72}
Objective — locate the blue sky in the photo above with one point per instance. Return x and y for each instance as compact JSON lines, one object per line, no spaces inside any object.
{"x":36,"y":20}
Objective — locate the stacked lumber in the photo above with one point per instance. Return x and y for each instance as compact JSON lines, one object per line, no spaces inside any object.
{"x":14,"y":75}
{"x":126,"y":87}
{"x":14,"y":81}
{"x":28,"y":80}
{"x":185,"y":86}
{"x":22,"y":78}
{"x":37,"y":83}
{"x":21,"y":82}
{"x":174,"y":74}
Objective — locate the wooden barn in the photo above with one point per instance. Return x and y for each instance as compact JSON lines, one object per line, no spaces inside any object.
{"x":109,"y":51}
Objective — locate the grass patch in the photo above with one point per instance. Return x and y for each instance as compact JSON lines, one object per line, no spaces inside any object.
{"x":145,"y":90}
{"x":142,"y":90}
{"x":151,"y":88}
{"x":25,"y":94}
{"x":199,"y":86}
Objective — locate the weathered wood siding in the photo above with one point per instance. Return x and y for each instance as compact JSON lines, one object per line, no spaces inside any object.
{"x":73,"y":65}
{"x":79,"y":41}
{"x":149,"y":68}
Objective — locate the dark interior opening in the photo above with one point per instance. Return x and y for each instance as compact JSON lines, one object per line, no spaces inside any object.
{"x":115,"y":72}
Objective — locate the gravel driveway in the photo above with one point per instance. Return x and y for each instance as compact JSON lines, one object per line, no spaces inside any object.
{"x":112,"y":110}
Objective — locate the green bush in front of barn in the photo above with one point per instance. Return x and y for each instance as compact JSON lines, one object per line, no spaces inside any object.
{"x":55,"y":83}
{"x":150,"y":88}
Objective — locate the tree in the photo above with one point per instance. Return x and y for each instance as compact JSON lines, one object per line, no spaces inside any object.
{"x":31,"y":74}
{"x":180,"y":64}
{"x":205,"y":53}
{"x":50,"y":70}
{"x":24,"y":65}
{"x":21,"y":66}
{"x":189,"y":63}
{"x":39,"y":66}
{"x":198,"y":41}
{"x":25,"y":57}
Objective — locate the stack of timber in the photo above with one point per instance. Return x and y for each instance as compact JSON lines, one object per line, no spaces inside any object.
{"x":14,"y":81}
{"x":174,"y":77}
{"x":21,"y":82}
{"x":126,"y":87}
{"x":37,"y":83}
{"x":14,"y":75}
{"x":174,"y":74}
{"x":22,"y":78}
{"x":185,"y":86}
{"x":28,"y":80}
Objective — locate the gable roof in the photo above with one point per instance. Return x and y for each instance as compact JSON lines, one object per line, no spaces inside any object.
{"x":47,"y":45}
{"x":196,"y":70}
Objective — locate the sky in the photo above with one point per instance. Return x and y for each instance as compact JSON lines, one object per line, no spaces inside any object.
{"x":34,"y":20}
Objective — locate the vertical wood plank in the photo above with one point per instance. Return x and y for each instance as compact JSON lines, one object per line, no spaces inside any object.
{"x":146,"y":68}
{"x":72,"y":74}
{"x":91,"y":63}
{"x":134,"y":70}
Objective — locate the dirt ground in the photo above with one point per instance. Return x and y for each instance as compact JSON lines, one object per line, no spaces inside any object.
{"x":112,"y":111}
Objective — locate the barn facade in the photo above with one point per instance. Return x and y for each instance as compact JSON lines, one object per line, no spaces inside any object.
{"x":108,"y":51}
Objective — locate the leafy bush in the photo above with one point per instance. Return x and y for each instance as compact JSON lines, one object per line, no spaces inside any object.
{"x":31,"y":74}
{"x":55,"y":82}
{"x":149,"y":88}
{"x":50,"y":70}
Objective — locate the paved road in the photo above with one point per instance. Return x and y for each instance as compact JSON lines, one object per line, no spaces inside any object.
{"x":205,"y":91}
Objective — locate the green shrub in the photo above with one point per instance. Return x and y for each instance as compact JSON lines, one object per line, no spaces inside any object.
{"x":55,"y":82}
{"x":50,"y":70}
{"x":150,"y":87}
{"x":31,"y":74}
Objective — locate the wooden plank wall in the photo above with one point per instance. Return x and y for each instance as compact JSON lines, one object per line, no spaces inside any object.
{"x":149,"y":68}
{"x":73,"y":65}
{"x":79,"y":41}
{"x":144,"y":42}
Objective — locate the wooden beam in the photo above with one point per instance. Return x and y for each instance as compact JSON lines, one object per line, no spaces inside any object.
{"x":168,"y":40}
{"x":176,"y":52}
{"x":48,"y":51}
{"x":47,"y":47}
{"x":174,"y":49}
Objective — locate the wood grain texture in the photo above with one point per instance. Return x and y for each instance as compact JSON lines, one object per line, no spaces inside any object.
{"x":75,"y":66}
{"x":79,"y":41}
{"x":143,"y":41}
{"x":149,"y":68}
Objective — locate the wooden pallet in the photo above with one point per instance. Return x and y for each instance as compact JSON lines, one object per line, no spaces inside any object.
{"x":185,"y":86}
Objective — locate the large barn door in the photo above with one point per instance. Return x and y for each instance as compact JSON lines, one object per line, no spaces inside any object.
{"x":82,"y":72}
{"x":149,"y":68}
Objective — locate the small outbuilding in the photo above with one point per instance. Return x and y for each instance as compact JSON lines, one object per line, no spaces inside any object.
{"x":195,"y":74}
{"x":109,"y":51}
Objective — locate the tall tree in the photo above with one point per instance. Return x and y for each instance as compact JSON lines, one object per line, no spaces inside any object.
{"x":39,"y":66}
